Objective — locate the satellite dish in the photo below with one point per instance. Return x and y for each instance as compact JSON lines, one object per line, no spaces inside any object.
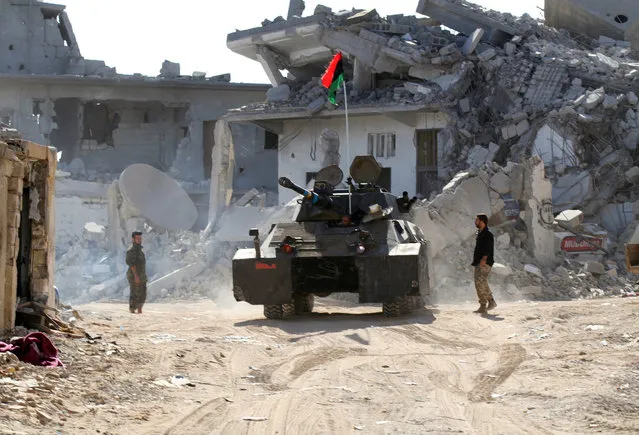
{"x":365,"y":169}
{"x":158,"y":197}
{"x":332,"y":175}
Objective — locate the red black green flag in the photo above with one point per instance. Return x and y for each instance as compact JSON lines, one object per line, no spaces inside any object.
{"x":333,"y":77}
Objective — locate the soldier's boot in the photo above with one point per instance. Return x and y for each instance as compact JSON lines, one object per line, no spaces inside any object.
{"x":140,"y":310}
{"x":481,"y":309}
{"x":491,"y":305}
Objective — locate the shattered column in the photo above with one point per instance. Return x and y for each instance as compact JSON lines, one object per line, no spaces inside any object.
{"x":10,"y":191}
{"x":538,"y":211}
{"x":222,"y":170}
{"x":267,"y":60}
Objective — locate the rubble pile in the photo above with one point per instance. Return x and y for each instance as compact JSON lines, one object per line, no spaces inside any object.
{"x":538,"y":256}
{"x":526,"y":89}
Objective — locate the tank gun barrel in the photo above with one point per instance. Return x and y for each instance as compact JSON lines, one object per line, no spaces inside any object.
{"x":315,"y":199}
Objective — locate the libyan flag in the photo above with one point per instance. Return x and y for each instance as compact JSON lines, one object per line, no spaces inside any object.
{"x":333,"y":77}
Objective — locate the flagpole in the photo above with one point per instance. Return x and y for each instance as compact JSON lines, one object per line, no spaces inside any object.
{"x":348,"y":148}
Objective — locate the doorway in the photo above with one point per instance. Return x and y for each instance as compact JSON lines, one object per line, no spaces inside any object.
{"x":24,"y":250}
{"x":426,"y":141}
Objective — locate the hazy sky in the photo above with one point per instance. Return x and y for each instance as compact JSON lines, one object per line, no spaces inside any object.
{"x":136,"y":36}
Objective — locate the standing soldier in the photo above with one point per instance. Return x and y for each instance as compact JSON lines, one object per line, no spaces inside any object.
{"x":483,"y":262}
{"x":136,"y":275}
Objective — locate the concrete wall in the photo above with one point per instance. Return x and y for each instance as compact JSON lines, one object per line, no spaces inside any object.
{"x":592,"y":17}
{"x":33,"y":167}
{"x":133,"y":140}
{"x":254,"y":166}
{"x":297,"y":145}
{"x":30,"y":43}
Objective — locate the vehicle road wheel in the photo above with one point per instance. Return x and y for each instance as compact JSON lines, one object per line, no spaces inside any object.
{"x":418,"y":302}
{"x":392,"y":309}
{"x":304,"y":304}
{"x":279,"y":311}
{"x":406,"y":304}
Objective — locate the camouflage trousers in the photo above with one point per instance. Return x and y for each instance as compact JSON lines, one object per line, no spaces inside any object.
{"x":137,"y":296}
{"x":481,"y":283}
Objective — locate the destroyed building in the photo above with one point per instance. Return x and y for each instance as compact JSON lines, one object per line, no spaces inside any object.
{"x":447,"y":95}
{"x":27,"y":257}
{"x":101,"y":121}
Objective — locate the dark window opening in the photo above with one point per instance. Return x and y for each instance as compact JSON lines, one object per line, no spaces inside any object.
{"x":310,"y":176}
{"x":271,"y":140}
{"x":185,"y":131}
{"x":621,"y":19}
{"x":21,"y":67}
{"x":11,"y":47}
{"x":146,"y":117}
{"x":100,"y":123}
{"x":36,"y":108}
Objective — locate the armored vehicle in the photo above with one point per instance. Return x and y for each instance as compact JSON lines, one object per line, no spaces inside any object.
{"x":354,"y":239}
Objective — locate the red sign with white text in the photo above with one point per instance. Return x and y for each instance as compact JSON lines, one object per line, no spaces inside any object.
{"x":581,"y":244}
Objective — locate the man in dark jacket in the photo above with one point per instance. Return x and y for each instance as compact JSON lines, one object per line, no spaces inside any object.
{"x":136,"y":275}
{"x":483,"y":262}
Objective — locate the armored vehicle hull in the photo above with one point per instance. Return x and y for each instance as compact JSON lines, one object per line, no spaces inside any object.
{"x":358,"y":242}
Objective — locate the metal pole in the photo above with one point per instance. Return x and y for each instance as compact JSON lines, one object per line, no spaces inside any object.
{"x":348,"y":148}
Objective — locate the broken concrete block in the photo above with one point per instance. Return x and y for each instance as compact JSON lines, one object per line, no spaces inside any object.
{"x":247,"y":197}
{"x":595,"y":98}
{"x":500,"y":183}
{"x":415,"y":88}
{"x":449,"y":49}
{"x":321,"y":9}
{"x":477,"y":156}
{"x":510,"y":48}
{"x":424,"y":72}
{"x":522,"y":127}
{"x":94,"y":232}
{"x":632,"y":98}
{"x":509,"y":131}
{"x":631,"y":140}
{"x":595,"y":268}
{"x":473,"y":40}
{"x":632,"y":175}
{"x":610,"y":102}
{"x":501,"y":270}
{"x":464,"y":105}
{"x":170,"y":69}
{"x":316,"y":106}
{"x":278,"y":93}
{"x":570,"y":218}
{"x":503,"y":241}
{"x":612,"y":273}
{"x":533,"y":270}
{"x":487,"y":55}
{"x":610,"y":63}
{"x":493,"y":149}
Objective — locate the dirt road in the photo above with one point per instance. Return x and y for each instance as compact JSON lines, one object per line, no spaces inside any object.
{"x":532,"y":368}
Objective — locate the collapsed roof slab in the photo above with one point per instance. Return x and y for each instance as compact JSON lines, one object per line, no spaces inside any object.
{"x":593,"y":18}
{"x":298,"y":40}
{"x":463,"y":19}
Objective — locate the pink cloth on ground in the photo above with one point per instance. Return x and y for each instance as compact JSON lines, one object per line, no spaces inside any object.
{"x":34,"y":348}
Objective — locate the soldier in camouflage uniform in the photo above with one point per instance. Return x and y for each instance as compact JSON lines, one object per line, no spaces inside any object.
{"x":483,"y":262}
{"x":136,"y":274}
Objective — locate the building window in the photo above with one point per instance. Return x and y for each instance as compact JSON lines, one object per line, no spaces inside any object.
{"x":381,"y":145}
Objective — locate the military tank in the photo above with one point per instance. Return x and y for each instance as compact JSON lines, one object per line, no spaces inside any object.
{"x":353,"y":239}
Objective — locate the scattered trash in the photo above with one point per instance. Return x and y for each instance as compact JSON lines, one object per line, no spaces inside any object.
{"x":594,"y":328}
{"x":255,"y":418}
{"x":604,"y":343}
{"x":359,"y":427}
